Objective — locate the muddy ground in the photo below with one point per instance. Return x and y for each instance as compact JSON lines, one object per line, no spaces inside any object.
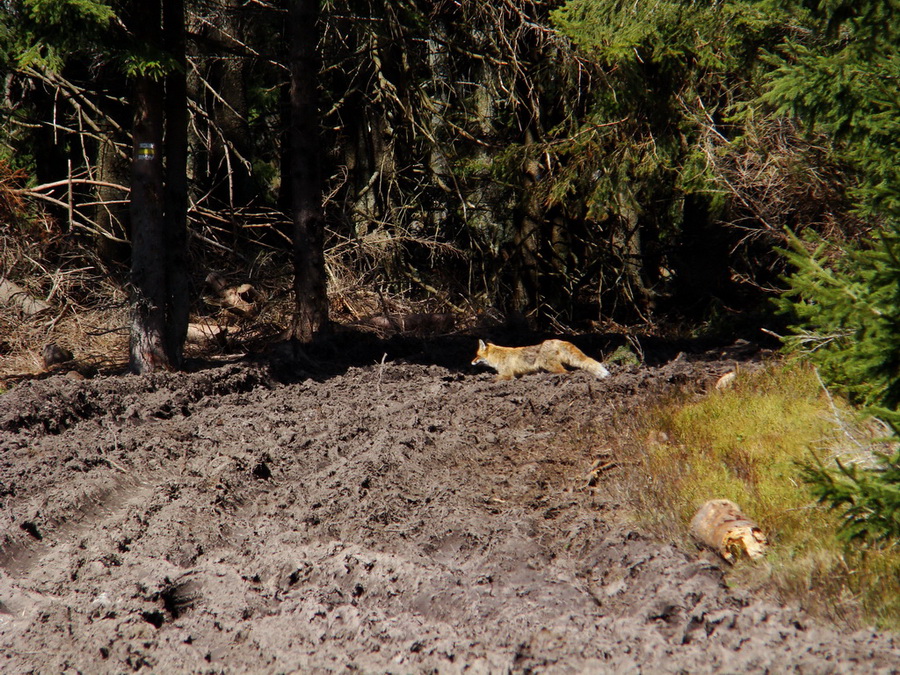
{"x":340,"y":515}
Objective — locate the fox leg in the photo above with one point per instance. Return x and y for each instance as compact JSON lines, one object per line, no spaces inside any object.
{"x":552,"y":357}
{"x":555,"y":367}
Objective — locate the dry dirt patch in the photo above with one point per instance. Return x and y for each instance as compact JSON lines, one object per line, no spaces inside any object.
{"x":397,"y":517}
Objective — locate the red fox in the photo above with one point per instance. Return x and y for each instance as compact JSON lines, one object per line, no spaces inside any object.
{"x":551,"y":356}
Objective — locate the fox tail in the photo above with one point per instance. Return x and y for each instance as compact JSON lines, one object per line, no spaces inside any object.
{"x":597,"y":369}
{"x":573,"y":357}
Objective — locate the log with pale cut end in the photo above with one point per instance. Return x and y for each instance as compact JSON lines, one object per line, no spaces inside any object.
{"x":200,"y":333}
{"x":720,"y":525}
{"x":243,"y":300}
{"x":13,"y":294}
{"x":726,"y":381}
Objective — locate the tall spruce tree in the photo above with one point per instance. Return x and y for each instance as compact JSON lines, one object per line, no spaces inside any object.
{"x":841,"y":77}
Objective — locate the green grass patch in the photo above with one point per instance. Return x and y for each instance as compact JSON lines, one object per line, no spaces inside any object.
{"x":747,"y":444}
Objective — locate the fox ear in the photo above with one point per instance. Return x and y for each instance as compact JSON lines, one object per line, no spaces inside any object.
{"x":481,"y":345}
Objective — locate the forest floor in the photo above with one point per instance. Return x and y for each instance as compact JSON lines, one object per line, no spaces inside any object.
{"x":402,"y":514}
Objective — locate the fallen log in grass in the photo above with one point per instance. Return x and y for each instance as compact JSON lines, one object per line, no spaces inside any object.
{"x":720,"y":525}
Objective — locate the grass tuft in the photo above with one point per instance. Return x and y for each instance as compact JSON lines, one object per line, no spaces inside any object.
{"x":748,"y":444}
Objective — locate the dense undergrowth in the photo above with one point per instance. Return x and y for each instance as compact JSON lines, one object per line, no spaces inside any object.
{"x":751,"y":444}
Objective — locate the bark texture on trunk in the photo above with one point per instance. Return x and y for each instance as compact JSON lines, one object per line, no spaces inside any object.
{"x":311,"y":311}
{"x":148,"y":246}
{"x":159,"y":270}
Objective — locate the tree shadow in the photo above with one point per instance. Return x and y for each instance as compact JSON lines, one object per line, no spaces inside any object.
{"x":333,"y":355}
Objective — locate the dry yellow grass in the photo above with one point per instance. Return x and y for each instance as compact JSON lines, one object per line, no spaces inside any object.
{"x":746,"y":444}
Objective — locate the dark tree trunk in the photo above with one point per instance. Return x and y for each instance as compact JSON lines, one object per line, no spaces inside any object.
{"x":701,"y":259}
{"x":158,"y":207}
{"x":524,"y":257}
{"x":112,"y":216}
{"x":176,"y":189}
{"x":148,"y":249}
{"x":285,"y":186}
{"x":311,"y":311}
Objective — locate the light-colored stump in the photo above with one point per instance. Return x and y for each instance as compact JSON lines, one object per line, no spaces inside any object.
{"x":720,"y":525}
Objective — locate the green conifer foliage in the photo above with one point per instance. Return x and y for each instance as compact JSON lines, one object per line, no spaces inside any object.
{"x":50,"y":31}
{"x":841,"y":76}
{"x":661,"y":117}
{"x":846,"y":308}
{"x":847,"y":312}
{"x":869,"y":497}
{"x":840,"y":73}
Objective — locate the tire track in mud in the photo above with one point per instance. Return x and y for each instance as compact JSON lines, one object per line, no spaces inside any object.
{"x":89,"y":508}
{"x":80,"y":521}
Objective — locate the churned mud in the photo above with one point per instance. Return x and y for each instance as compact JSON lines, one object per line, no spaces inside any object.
{"x":405,"y":514}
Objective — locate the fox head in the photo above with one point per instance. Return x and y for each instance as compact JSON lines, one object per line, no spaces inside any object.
{"x":482,"y":353}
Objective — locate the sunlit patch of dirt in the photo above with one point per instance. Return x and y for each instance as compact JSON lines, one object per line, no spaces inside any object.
{"x":348,"y":512}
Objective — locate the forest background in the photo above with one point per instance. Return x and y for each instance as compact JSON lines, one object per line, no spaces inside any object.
{"x":590,"y":164}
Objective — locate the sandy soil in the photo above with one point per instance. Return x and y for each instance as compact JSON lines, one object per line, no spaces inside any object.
{"x":404,"y":516}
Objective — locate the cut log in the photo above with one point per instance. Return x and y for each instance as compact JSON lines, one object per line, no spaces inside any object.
{"x":200,"y":333}
{"x":726,"y":381}
{"x":720,"y":525}
{"x":243,"y":300}
{"x":13,"y":294}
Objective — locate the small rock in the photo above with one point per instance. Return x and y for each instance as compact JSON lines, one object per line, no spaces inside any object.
{"x":53,"y":354}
